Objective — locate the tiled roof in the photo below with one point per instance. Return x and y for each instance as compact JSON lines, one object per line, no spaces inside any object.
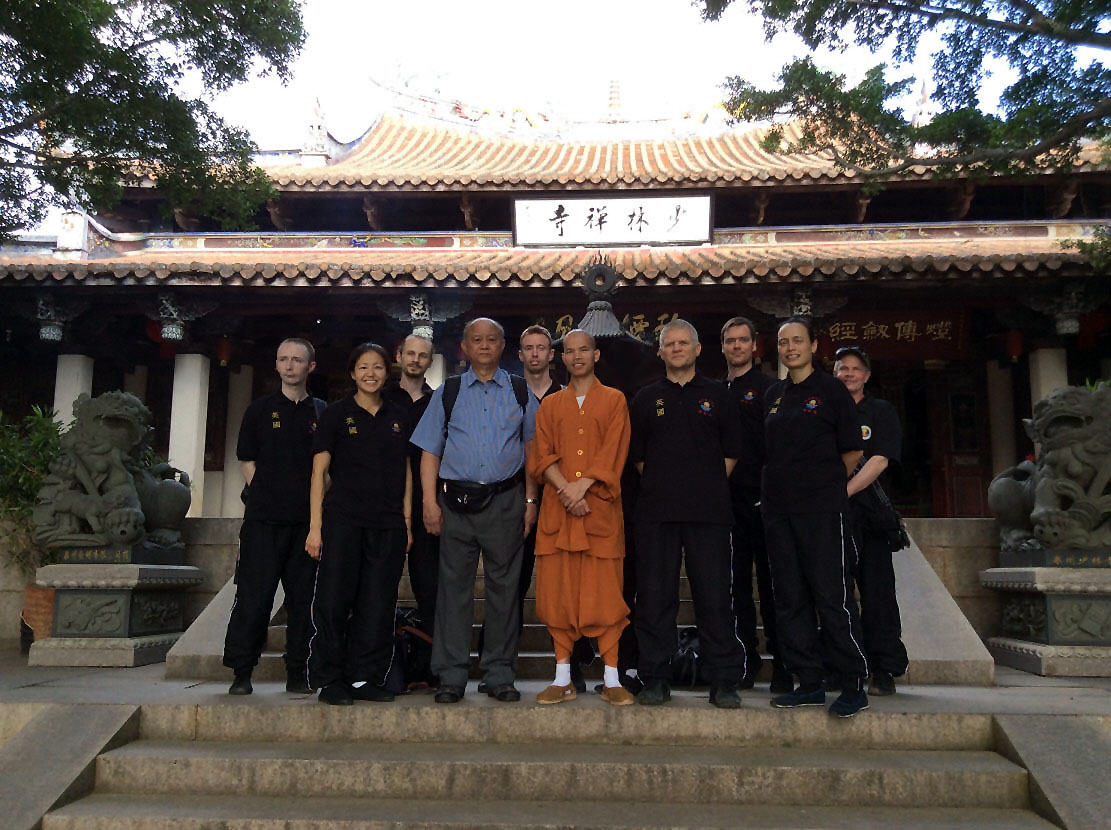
{"x":400,"y":153}
{"x":753,"y":258}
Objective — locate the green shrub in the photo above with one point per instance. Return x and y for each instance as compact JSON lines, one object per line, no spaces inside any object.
{"x":26,"y":449}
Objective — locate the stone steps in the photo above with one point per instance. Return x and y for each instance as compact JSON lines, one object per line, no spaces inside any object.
{"x":298,"y":765}
{"x":214,"y":812}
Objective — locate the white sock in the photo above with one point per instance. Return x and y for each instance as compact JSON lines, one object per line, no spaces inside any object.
{"x":611,"y":677}
{"x":563,"y":675}
{"x":358,"y":684}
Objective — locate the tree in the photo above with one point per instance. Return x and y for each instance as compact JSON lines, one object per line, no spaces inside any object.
{"x":1059,"y":97}
{"x":91,"y":93}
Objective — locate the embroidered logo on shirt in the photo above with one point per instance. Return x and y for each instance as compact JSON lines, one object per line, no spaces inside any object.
{"x":775,"y":406}
{"x":750,"y":395}
{"x":865,"y":431}
{"x":276,"y":420}
{"x":351,"y":430}
{"x":276,"y":425}
{"x":811,"y":404}
{"x":659,"y":407}
{"x":706,"y":406}
{"x":395,"y":427}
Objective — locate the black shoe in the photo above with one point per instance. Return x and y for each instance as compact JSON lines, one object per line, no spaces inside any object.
{"x":242,"y":683}
{"x":810,"y":695}
{"x":506,"y":693}
{"x":482,"y":687}
{"x":849,"y":703}
{"x":655,"y":693}
{"x":577,"y":679}
{"x":368,"y":691}
{"x":782,"y":682}
{"x":883,"y":684}
{"x":449,"y":694}
{"x":632,"y":683}
{"x":296,"y":684}
{"x":336,"y":694}
{"x":724,"y":696}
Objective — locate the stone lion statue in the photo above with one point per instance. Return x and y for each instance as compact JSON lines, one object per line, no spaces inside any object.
{"x":1072,"y":493}
{"x":1011,"y":499}
{"x":100,"y":490}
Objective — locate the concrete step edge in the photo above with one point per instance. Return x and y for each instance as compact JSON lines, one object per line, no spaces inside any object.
{"x":117,"y":812}
{"x":592,"y":773}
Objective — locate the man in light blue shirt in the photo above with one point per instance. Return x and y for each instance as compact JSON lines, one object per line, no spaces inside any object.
{"x":477,"y":498}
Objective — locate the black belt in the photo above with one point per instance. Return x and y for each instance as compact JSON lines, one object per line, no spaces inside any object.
{"x":493,"y":488}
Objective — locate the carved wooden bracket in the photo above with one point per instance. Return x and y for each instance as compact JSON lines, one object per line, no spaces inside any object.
{"x":760,"y":206}
{"x":960,"y":200}
{"x":371,"y":207}
{"x":861,"y":207}
{"x":470,"y":212}
{"x":1058,"y":198}
{"x":187,"y":220}
{"x":280,"y":214}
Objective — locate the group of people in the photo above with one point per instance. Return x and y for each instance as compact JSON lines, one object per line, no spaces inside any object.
{"x":750,"y":473}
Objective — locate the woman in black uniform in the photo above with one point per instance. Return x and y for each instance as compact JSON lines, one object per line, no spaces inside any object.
{"x":813,"y":443}
{"x":360,"y":531}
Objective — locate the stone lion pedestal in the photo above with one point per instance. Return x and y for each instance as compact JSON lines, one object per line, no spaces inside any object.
{"x":111,"y":520}
{"x":1055,"y":541}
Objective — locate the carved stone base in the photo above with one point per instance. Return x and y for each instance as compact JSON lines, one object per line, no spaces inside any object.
{"x":143,"y":553}
{"x":1056,"y":621}
{"x":100,"y":651}
{"x":1051,"y":661}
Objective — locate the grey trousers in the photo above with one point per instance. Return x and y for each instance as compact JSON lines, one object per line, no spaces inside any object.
{"x":498,"y":533}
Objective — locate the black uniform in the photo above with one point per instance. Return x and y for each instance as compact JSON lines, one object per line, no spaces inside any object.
{"x":363,"y":548}
{"x":875,"y":575}
{"x":749,"y":549}
{"x":810,"y":549}
{"x":424,"y":555}
{"x":682,"y":435}
{"x":277,"y":435}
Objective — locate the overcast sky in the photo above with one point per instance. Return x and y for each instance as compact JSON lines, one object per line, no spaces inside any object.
{"x":558,"y":58}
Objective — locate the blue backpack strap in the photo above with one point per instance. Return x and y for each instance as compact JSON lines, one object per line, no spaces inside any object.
{"x":520,"y":391}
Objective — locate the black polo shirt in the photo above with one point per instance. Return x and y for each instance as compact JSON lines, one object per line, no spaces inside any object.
{"x":369,"y":454}
{"x":413,"y":412}
{"x":882,"y":435}
{"x":277,"y":434}
{"x":683,"y":434}
{"x":808,"y":427}
{"x":749,"y":391}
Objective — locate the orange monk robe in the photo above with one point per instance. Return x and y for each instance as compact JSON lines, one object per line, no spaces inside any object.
{"x":579,"y":571}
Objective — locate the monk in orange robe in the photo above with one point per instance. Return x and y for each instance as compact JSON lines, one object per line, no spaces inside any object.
{"x":578,"y":453}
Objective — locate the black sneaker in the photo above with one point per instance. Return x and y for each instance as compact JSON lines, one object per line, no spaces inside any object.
{"x":296,"y":684}
{"x":782,"y":681}
{"x":242,"y":683}
{"x":882,"y":685}
{"x":505,"y":693}
{"x":849,"y":703}
{"x":655,"y":693}
{"x":336,"y":694}
{"x":481,"y":687}
{"x":449,"y":694}
{"x":811,"y":694}
{"x":368,"y":691}
{"x":724,"y":696}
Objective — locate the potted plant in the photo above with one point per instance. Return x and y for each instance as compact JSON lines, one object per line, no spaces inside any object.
{"x":26,"y":449}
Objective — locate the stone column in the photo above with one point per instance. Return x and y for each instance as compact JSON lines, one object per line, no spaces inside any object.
{"x":1048,"y":371}
{"x":1001,"y":417}
{"x":188,"y":420}
{"x":239,"y":395}
{"x":74,"y":376}
{"x":435,"y":374}
{"x":135,"y":383}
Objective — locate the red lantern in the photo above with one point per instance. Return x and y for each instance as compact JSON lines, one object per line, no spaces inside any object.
{"x":154,"y":331}
{"x":223,"y":350}
{"x":1014,"y":345}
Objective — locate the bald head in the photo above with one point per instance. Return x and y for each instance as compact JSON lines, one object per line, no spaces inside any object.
{"x":579,"y":334}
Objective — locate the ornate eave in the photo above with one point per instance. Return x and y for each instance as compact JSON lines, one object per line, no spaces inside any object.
{"x":743,"y":256}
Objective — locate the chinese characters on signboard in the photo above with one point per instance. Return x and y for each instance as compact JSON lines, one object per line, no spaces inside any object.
{"x":920,"y":335}
{"x":646,"y":327}
{"x":618,"y":220}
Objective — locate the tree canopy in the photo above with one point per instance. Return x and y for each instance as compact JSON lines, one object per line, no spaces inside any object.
{"x":91,"y":91}
{"x":1060,"y":94}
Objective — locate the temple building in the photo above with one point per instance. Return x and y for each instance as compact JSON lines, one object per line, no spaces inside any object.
{"x":966,"y":293}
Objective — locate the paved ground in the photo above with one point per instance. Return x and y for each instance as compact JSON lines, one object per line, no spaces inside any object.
{"x":1015,"y":692}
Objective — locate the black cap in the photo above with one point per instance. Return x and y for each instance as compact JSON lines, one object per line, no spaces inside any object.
{"x":857,"y":352}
